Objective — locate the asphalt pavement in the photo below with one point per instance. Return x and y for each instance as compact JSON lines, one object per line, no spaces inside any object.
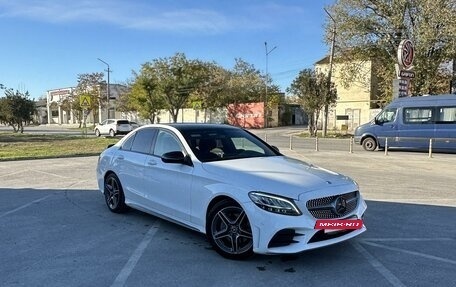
{"x":55,"y":230}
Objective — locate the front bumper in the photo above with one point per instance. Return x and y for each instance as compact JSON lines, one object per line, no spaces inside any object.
{"x":357,"y":139}
{"x":267,"y":227}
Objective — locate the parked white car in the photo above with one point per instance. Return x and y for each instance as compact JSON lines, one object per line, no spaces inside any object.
{"x":112,"y":127}
{"x":134,"y":125}
{"x":227,"y":183}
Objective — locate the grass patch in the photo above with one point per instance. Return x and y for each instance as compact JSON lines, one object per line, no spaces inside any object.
{"x":31,"y":146}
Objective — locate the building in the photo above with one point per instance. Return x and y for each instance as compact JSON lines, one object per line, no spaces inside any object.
{"x":356,"y":103}
{"x":60,"y":109}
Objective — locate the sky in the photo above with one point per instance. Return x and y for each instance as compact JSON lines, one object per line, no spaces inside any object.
{"x":46,"y":44}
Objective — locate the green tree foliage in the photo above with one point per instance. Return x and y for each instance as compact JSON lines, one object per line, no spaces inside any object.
{"x":177,"y":82}
{"x":373,"y":29}
{"x":166,"y":83}
{"x":314,"y":92}
{"x":144,"y":95}
{"x":16,"y":109}
{"x":245,"y":84}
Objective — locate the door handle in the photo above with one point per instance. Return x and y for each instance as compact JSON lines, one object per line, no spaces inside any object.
{"x":120,"y":157}
{"x":152,"y":162}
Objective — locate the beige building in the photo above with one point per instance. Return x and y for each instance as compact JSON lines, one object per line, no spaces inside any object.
{"x":356,"y":103}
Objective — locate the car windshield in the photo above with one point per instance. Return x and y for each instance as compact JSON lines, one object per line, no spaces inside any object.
{"x":225,"y":144}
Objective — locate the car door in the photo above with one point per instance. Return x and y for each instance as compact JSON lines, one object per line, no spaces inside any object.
{"x":168,"y":184}
{"x":386,"y":127}
{"x":130,"y":163}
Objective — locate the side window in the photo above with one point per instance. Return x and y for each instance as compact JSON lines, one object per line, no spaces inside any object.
{"x":387,"y":115}
{"x":418,"y":115}
{"x":166,"y":142}
{"x":128,"y":142}
{"x":446,"y":115}
{"x":143,"y":140}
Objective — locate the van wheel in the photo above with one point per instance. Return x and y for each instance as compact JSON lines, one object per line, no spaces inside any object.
{"x":369,"y":144}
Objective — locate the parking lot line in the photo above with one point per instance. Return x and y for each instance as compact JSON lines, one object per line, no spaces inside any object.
{"x":25,"y":205}
{"x":121,"y":279}
{"x":445,"y":260}
{"x":378,"y":266}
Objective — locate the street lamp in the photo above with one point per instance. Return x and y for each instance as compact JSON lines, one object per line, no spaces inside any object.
{"x":267,"y":80}
{"x":107,"y":94}
{"x":331,"y":56}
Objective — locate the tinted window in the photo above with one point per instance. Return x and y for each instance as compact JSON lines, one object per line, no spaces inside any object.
{"x":166,"y":142}
{"x":143,"y":140}
{"x":128,"y":142}
{"x":225,"y":144}
{"x":446,"y":115}
{"x":123,"y":122}
{"x":418,"y":115}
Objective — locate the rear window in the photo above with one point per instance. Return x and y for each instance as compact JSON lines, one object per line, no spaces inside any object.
{"x":123,"y":122}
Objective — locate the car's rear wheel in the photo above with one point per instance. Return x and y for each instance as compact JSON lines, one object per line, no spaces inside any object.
{"x":97,"y":133}
{"x":369,"y":144}
{"x":228,"y":230}
{"x":113,"y":193}
{"x":112,"y":133}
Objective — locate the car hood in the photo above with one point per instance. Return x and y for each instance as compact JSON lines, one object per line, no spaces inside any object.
{"x":278,"y":175}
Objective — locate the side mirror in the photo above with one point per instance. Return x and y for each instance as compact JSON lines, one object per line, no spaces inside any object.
{"x":176,"y":157}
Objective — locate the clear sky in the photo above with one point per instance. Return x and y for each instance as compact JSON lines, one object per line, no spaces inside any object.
{"x":45,"y":44}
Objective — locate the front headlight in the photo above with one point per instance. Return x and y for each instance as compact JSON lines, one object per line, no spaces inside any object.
{"x":275,"y":204}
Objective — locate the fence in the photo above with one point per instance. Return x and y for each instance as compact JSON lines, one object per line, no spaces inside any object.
{"x":347,"y":144}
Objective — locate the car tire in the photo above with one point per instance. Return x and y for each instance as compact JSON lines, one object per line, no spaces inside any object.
{"x":113,"y":193}
{"x":228,"y":230}
{"x":112,"y":133}
{"x":97,"y":133}
{"x":369,"y":144}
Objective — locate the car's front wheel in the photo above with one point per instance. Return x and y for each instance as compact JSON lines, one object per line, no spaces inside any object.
{"x":113,"y":193}
{"x":97,"y":133}
{"x":228,"y":230}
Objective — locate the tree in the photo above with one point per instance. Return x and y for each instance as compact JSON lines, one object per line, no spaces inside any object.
{"x":91,"y":85}
{"x":314,"y":93}
{"x":372,"y":30}
{"x":245,"y":84}
{"x":16,"y":109}
{"x":144,"y":95}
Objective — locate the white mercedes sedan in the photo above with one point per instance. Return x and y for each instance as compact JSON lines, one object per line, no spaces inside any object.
{"x":229,"y":184}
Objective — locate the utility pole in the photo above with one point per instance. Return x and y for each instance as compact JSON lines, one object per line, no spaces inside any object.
{"x":108,"y":96}
{"x":331,"y":57}
{"x":453,"y":88}
{"x":266,"y":112}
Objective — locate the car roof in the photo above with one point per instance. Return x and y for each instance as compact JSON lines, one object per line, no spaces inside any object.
{"x":198,"y":126}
